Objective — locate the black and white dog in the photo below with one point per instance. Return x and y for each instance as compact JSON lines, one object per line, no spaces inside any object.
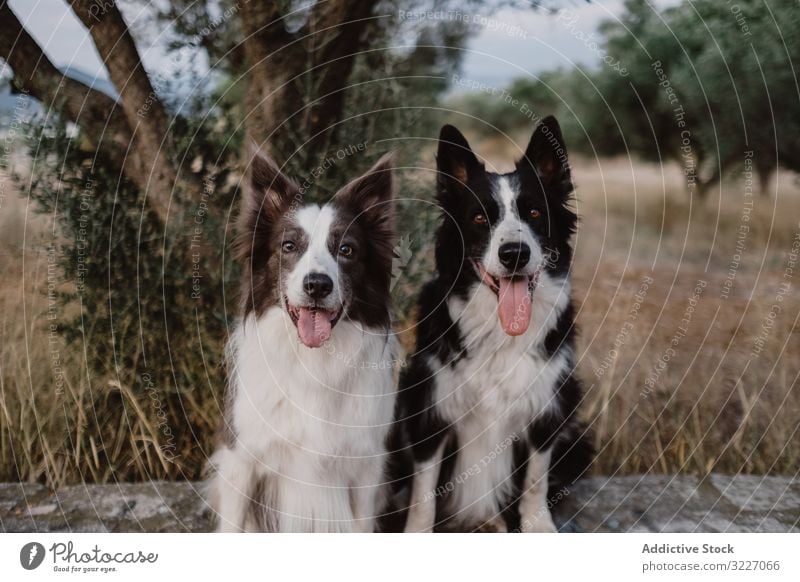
{"x":312,"y":392}
{"x":488,"y":403}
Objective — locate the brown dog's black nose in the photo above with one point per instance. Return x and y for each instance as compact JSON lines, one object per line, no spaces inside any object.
{"x":514,"y":256}
{"x":317,"y":285}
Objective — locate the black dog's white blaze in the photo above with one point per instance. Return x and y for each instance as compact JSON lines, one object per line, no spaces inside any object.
{"x":488,"y":402}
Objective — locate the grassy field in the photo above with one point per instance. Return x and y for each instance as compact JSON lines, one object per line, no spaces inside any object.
{"x":689,"y":343}
{"x":689,"y":320}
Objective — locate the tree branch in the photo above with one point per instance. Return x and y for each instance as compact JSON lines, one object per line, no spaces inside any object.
{"x":92,"y":110}
{"x":97,"y":114}
{"x":141,"y":105}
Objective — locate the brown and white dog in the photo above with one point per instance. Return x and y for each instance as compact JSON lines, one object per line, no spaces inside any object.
{"x":311,"y":391}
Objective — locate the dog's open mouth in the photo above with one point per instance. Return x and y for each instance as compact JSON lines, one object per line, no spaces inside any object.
{"x":514,"y":298}
{"x":313,"y":324}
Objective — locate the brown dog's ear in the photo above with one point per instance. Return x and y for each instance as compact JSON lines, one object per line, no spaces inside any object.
{"x":547,"y":154}
{"x":268,"y":193}
{"x":370,"y":195}
{"x":269,"y":187}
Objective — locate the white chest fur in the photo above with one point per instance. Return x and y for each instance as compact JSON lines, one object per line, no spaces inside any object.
{"x":313,"y":421}
{"x":493,"y":394}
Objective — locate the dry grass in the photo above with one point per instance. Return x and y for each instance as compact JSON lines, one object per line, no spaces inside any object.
{"x":714,"y":406}
{"x":719,"y":403}
{"x":59,"y":423}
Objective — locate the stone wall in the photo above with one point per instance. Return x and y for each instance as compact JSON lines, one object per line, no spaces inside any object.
{"x":654,"y":503}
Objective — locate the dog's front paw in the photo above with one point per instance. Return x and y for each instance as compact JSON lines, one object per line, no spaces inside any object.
{"x":538,"y":524}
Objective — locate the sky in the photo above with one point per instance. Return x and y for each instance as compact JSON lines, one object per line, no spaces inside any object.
{"x":67,"y":42}
{"x":509,"y":44}
{"x":514,"y":43}
{"x":63,"y":38}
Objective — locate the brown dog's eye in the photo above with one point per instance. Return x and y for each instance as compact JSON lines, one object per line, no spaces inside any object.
{"x":535,"y":213}
{"x":288,"y":247}
{"x":479,"y":219}
{"x":346,"y":250}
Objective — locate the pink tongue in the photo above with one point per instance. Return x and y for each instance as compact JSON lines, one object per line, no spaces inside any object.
{"x":514,"y":305}
{"x":314,"y":326}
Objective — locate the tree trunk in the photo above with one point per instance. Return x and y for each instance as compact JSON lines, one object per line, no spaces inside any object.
{"x":141,"y":105}
{"x":297,"y":80}
{"x":269,"y":50}
{"x":297,"y":83}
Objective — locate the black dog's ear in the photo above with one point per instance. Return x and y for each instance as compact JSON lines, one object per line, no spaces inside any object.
{"x":547,"y":154}
{"x":370,"y":195}
{"x":268,"y":192}
{"x":455,"y":163}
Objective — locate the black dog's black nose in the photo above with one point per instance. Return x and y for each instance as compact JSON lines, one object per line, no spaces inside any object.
{"x":514,"y":255}
{"x":317,"y":285}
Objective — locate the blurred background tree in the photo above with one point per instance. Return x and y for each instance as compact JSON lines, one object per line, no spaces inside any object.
{"x":731,"y":72}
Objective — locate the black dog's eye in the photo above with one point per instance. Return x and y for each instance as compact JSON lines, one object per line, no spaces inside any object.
{"x":479,"y":219}
{"x":346,"y":250}
{"x":535,"y":213}
{"x":288,"y":247}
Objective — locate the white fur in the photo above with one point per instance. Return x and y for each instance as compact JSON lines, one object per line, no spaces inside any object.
{"x":494,"y":394}
{"x":313,"y":422}
{"x":317,"y":258}
{"x":510,"y":229}
{"x":422,"y":511}
{"x":534,"y":513}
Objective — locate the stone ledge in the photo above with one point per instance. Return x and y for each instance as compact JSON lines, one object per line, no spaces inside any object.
{"x":654,"y":503}
{"x":156,"y":506}
{"x":667,"y":503}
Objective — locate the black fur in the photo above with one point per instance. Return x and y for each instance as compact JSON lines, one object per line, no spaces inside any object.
{"x":464,"y":188}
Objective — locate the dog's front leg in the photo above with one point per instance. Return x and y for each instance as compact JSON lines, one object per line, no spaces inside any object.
{"x":365,"y":495}
{"x":233,"y":489}
{"x":365,"y":506}
{"x":534,"y":513}
{"x":422,"y":512}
